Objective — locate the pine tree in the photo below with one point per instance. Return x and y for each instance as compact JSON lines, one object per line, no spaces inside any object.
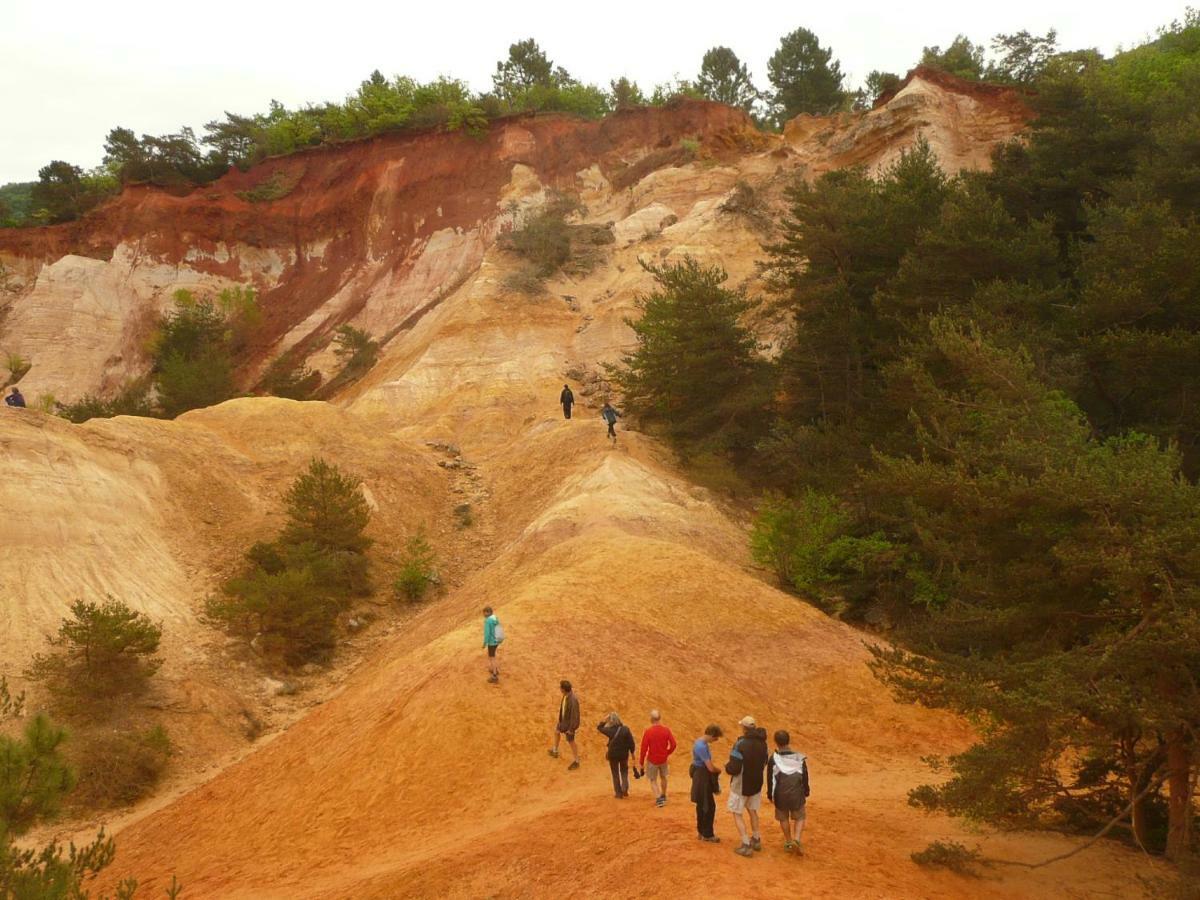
{"x":725,"y":79}
{"x":806,"y":77}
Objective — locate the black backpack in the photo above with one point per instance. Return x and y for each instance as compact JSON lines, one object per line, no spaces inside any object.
{"x":791,"y":789}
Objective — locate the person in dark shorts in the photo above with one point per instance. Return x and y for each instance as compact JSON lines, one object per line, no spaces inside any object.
{"x":568,"y":723}
{"x":705,"y":786}
{"x":621,"y":748}
{"x":610,"y":415}
{"x":567,"y":400}
{"x":492,"y":636}
{"x":787,"y":788}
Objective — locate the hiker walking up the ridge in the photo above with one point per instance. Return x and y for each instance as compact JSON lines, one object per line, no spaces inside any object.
{"x":657,"y":745}
{"x":705,"y":784}
{"x":787,"y":788}
{"x":567,"y":400}
{"x":568,"y":723}
{"x":493,"y":635}
{"x":610,"y":415}
{"x":15,"y":398}
{"x":747,"y":762}
{"x":621,"y":749}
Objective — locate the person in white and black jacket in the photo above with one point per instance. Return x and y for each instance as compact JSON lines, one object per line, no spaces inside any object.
{"x":787,"y":788}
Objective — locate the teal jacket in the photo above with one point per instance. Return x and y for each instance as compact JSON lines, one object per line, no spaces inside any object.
{"x":489,"y":631}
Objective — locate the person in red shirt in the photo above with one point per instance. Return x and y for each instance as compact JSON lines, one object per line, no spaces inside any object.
{"x":657,"y":746}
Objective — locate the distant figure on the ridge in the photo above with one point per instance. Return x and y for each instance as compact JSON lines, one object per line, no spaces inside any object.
{"x":787,"y":788}
{"x":705,"y":785}
{"x":568,"y":723}
{"x":567,"y":399}
{"x":15,"y":398}
{"x":610,"y":415}
{"x":747,"y":762}
{"x":657,"y":745}
{"x":493,"y":634}
{"x":621,"y":748}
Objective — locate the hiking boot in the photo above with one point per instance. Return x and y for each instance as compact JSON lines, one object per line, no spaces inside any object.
{"x":494,"y":679}
{"x":787,"y":846}
{"x":574,"y":765}
{"x":553,"y":753}
{"x":660,"y":802}
{"x":743,"y":850}
{"x":756,"y":844}
{"x":712,"y":839}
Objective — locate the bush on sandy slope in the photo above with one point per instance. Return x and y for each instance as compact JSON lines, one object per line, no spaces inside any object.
{"x":117,"y":768}
{"x":418,"y":568}
{"x":101,"y":651}
{"x":293,"y":588}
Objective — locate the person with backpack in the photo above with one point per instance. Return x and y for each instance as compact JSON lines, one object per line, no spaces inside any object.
{"x":493,"y":636}
{"x":566,"y":399}
{"x":621,"y":748}
{"x":658,"y":744}
{"x":787,"y":788}
{"x":747,"y":762}
{"x":705,"y":783}
{"x":568,"y":723}
{"x":15,"y":398}
{"x":610,"y":415}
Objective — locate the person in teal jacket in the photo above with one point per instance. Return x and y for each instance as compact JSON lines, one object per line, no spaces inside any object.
{"x":491,"y":641}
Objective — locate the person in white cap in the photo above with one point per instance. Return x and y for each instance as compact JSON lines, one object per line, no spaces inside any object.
{"x":747,"y":763}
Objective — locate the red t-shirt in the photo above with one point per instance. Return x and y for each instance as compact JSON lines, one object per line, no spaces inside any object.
{"x":658,"y":743}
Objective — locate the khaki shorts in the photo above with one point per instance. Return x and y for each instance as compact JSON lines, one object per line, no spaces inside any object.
{"x":740,"y":803}
{"x":654,"y":770}
{"x":786,"y":815}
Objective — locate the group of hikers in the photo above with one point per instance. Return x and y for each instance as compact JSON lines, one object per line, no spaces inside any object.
{"x":566,"y":399}
{"x":751,"y":767}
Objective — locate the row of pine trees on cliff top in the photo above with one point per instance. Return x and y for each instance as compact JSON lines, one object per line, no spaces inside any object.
{"x":982,"y":438}
{"x":803,"y":77}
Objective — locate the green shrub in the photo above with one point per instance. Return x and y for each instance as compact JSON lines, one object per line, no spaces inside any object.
{"x":133,"y":400}
{"x":525,"y":280}
{"x":290,"y":380}
{"x":185,"y":384}
{"x":17,"y":366}
{"x":292,"y":589}
{"x":544,"y":240}
{"x":358,"y":352}
{"x":274,"y":187}
{"x":418,"y":570}
{"x":102,"y":651}
{"x":118,"y":768}
{"x":34,"y":776}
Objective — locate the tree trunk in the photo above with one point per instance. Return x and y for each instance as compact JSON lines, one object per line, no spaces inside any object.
{"x":1179,"y":804}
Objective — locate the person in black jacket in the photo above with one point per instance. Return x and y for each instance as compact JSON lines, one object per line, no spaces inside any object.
{"x":787,"y":788}
{"x":747,"y":763}
{"x":567,"y":399}
{"x":621,"y":749}
{"x":15,"y":398}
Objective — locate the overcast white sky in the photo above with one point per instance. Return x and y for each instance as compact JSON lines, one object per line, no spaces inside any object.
{"x":72,"y":70}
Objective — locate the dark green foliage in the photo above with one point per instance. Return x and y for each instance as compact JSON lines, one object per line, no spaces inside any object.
{"x":132,"y":400}
{"x":358,"y":352}
{"x":33,"y":776}
{"x":64,"y":192}
{"x":961,"y":58}
{"x":952,"y":855}
{"x":418,"y":568}
{"x":275,"y":187}
{"x":284,"y":378}
{"x":54,"y":873}
{"x":880,"y":83}
{"x":806,"y":77}
{"x":16,"y":203}
{"x":694,"y":373}
{"x":102,"y":651}
{"x":195,"y":347}
{"x":725,"y":79}
{"x":170,"y":160}
{"x":626,"y":94}
{"x":117,"y":768}
{"x":1021,"y":57}
{"x":544,"y":238}
{"x":292,"y":589}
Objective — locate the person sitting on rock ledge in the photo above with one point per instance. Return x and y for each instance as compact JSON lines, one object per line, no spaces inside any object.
{"x":15,"y":398}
